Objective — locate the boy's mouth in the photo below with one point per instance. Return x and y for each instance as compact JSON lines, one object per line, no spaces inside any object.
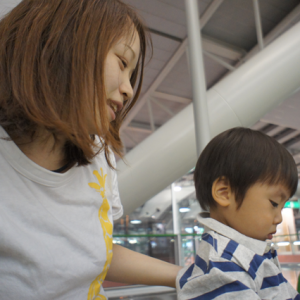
{"x":270,"y":235}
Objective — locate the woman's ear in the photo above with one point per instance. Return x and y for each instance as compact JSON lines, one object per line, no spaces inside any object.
{"x":221,"y":191}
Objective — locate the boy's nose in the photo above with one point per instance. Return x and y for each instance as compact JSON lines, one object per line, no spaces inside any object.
{"x":278,"y":218}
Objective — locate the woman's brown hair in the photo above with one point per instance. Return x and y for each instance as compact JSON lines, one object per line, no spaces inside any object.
{"x":52,"y":55}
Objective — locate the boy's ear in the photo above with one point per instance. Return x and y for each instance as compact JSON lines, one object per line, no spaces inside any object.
{"x":221,"y":191}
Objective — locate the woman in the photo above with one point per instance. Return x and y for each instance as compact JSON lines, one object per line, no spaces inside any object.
{"x":67,"y":73}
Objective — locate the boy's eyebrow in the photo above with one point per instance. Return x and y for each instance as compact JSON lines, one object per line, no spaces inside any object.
{"x":283,"y":195}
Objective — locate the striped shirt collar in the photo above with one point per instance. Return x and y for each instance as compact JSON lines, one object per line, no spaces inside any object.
{"x":257,"y":246}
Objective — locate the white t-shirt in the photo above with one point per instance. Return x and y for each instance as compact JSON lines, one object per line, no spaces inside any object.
{"x":55,"y":229}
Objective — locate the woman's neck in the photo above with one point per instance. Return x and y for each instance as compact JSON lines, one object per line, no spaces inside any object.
{"x":44,"y":150}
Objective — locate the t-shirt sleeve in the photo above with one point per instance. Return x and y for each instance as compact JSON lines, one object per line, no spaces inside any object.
{"x":214,"y":280}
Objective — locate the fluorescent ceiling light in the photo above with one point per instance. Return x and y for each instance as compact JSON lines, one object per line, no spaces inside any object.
{"x":184,"y":209}
{"x":117,"y":242}
{"x":132,"y":241}
{"x":281,"y":244}
{"x":199,"y":229}
{"x":189,"y":230}
{"x":135,"y":221}
{"x":177,"y":188}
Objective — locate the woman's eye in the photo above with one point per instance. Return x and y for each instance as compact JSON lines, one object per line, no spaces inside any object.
{"x":274,"y":203}
{"x":124,"y":63}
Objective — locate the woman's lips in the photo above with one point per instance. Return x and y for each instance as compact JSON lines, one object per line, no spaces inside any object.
{"x":112,"y":113}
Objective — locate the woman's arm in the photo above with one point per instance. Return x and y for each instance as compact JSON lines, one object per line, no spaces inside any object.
{"x":128,"y":266}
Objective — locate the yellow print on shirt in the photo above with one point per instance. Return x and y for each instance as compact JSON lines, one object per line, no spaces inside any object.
{"x":107,"y":227}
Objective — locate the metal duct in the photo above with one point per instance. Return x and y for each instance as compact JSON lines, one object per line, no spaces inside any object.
{"x":240,"y":99}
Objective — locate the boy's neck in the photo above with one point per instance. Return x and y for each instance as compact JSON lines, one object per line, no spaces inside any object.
{"x":218,"y":216}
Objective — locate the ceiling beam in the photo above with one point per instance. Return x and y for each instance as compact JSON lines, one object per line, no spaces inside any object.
{"x":258,"y":125}
{"x":211,"y":45}
{"x":140,"y":127}
{"x":284,"y":133}
{"x":163,"y":107}
{"x":151,"y":116}
{"x":169,"y":66}
{"x":288,"y":136}
{"x":208,"y":13}
{"x":269,"y":127}
{"x":170,"y":97}
{"x":134,"y":142}
{"x":277,"y":31}
{"x":277,"y":130}
{"x":219,"y":60}
{"x":292,"y":141}
{"x":222,"y":49}
{"x":137,"y":129}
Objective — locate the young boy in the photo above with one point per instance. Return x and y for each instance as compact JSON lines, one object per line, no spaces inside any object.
{"x":244,"y":178}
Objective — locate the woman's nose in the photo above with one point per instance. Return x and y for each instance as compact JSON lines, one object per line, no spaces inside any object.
{"x":126,"y":89}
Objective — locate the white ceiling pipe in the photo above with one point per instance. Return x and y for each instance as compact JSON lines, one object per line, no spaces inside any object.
{"x":240,"y":99}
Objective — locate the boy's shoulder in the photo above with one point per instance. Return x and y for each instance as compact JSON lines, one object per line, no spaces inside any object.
{"x":222,"y":243}
{"x":217,"y":248}
{"x":228,"y":262}
{"x":217,"y":270}
{"x":219,"y":252}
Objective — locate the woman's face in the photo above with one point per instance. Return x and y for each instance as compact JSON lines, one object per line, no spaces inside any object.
{"x":120,"y":62}
{"x":119,"y":65}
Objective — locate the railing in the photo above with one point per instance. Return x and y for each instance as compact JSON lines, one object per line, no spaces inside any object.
{"x":163,"y":246}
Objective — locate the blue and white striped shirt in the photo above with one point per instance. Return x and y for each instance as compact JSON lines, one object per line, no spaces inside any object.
{"x":230,"y":265}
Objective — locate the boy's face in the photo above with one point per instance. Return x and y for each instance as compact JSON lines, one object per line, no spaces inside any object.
{"x":260,"y":212}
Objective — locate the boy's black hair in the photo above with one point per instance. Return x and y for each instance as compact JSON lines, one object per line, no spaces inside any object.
{"x":244,"y":157}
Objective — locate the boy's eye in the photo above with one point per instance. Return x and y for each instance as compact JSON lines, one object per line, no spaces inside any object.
{"x":274,"y":203}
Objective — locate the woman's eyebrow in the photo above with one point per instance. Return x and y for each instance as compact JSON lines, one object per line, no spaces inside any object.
{"x":129,"y":47}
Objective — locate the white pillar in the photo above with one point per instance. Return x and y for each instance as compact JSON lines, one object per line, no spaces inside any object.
{"x":202,"y":129}
{"x":176,"y":227}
